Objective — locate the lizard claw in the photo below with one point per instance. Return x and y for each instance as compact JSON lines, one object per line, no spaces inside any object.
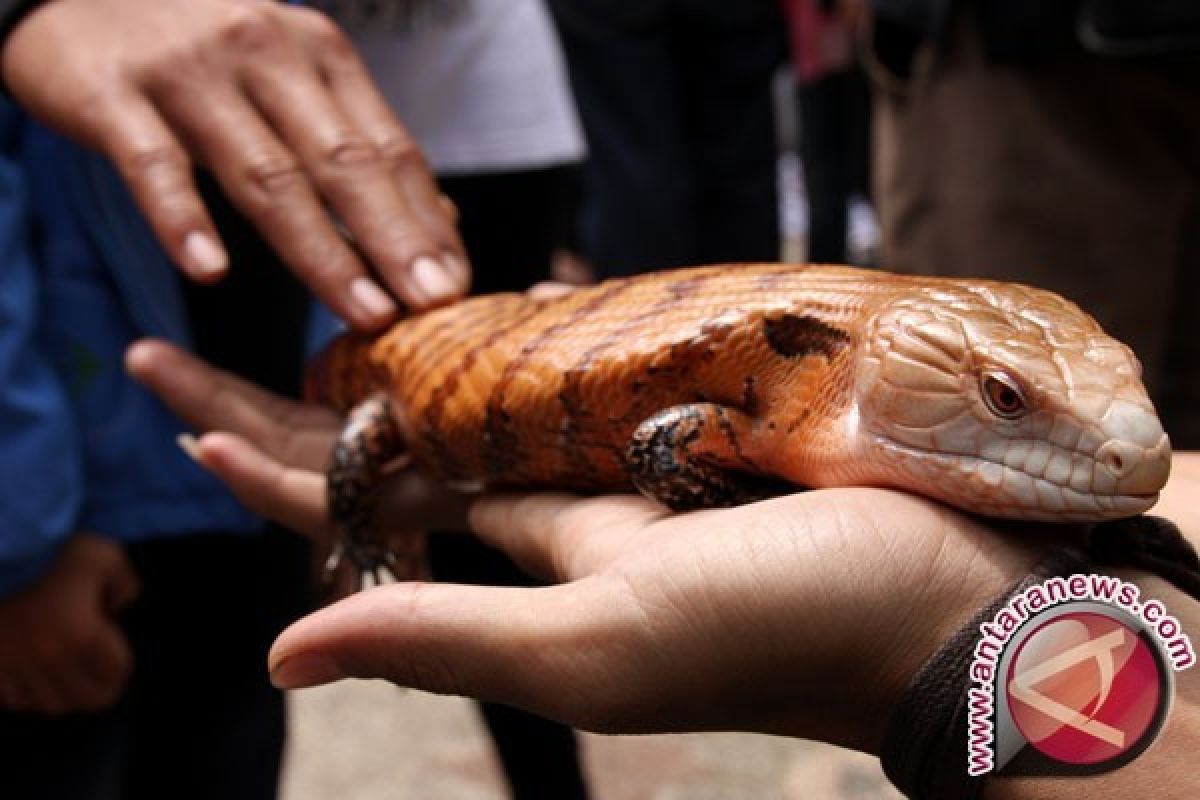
{"x":374,"y":564}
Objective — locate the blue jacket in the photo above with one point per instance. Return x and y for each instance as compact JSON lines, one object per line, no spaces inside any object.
{"x":82,"y":447}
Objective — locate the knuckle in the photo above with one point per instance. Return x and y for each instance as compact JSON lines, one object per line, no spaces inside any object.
{"x":399,"y":151}
{"x":270,"y":174}
{"x":248,"y":29}
{"x":161,"y":174}
{"x":349,"y":151}
{"x":155,"y":161}
{"x":171,"y":66}
{"x":327,"y":35}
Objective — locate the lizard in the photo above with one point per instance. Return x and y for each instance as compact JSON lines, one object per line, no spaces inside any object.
{"x":714,"y":386}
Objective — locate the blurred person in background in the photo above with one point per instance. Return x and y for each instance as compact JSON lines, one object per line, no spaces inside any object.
{"x":481,"y":87}
{"x":137,"y":597}
{"x":835,"y":123}
{"x":1056,"y":144}
{"x":675,"y":98}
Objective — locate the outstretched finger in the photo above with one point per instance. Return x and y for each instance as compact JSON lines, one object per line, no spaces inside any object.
{"x":208,"y":398}
{"x":291,"y":496}
{"x":561,"y":537}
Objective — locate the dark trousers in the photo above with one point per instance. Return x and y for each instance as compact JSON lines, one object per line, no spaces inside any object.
{"x":835,"y":125}
{"x":199,"y":719}
{"x":675,"y":99}
{"x":511,"y":224}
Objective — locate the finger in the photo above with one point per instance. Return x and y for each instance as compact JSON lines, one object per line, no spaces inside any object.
{"x":291,"y":496}
{"x":105,"y":670}
{"x":352,"y":175}
{"x":560,"y":536}
{"x":296,"y":434}
{"x":350,"y":84}
{"x":264,"y":179}
{"x":512,"y":645}
{"x":158,"y":172}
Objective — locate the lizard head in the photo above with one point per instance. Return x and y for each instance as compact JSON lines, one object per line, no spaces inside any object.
{"x":1010,"y":401}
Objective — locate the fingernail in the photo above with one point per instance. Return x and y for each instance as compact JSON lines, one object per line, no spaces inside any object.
{"x":303,"y":671}
{"x":373,"y":299}
{"x":190,"y":445}
{"x":204,"y":254}
{"x":433,"y":279}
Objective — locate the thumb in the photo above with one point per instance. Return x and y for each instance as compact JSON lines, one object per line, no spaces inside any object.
{"x":517,"y":646}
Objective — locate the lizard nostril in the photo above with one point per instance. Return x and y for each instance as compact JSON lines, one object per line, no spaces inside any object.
{"x":1116,"y":456}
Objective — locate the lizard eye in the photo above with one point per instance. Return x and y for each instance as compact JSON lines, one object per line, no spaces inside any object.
{"x":1002,"y":396}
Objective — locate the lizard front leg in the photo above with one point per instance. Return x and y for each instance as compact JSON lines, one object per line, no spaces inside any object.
{"x":694,"y":456}
{"x":369,"y":448}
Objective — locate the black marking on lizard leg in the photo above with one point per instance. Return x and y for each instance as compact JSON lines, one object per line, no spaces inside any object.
{"x":731,"y":436}
{"x":796,"y":336}
{"x":663,"y":464}
{"x":365,"y":452}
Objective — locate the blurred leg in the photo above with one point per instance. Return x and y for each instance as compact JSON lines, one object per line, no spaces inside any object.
{"x":639,"y":202}
{"x":208,"y":723}
{"x":78,"y":757}
{"x":513,"y":222}
{"x":823,"y":150}
{"x":728,"y":55}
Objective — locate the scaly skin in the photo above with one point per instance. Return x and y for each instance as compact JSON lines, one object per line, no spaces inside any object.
{"x":819,"y":376}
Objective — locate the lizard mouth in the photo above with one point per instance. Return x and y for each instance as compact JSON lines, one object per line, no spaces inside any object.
{"x":1053,"y":502}
{"x":995,"y":489}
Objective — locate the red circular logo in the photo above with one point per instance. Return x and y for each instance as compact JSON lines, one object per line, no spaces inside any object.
{"x":1085,"y":688}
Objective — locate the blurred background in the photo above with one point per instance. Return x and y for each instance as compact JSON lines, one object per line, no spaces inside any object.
{"x":1053,"y":143}
{"x":372,"y":741}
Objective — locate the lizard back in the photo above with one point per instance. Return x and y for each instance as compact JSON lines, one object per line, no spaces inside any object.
{"x":508,"y":390}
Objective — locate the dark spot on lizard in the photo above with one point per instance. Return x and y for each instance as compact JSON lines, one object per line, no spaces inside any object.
{"x":749,"y":396}
{"x":796,"y":336}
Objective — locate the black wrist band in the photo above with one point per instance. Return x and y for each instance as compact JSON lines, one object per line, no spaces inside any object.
{"x":925,"y":746}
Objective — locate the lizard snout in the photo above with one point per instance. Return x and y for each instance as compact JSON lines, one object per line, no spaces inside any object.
{"x":1138,"y":454}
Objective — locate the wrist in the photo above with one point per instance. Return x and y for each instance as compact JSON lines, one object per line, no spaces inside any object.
{"x":941,"y":725}
{"x":1165,"y":768}
{"x":971,"y":571}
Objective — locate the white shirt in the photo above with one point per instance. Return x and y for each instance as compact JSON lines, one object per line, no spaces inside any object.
{"x":480,"y":84}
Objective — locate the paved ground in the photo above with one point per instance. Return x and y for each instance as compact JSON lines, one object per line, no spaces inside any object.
{"x":371,"y":741}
